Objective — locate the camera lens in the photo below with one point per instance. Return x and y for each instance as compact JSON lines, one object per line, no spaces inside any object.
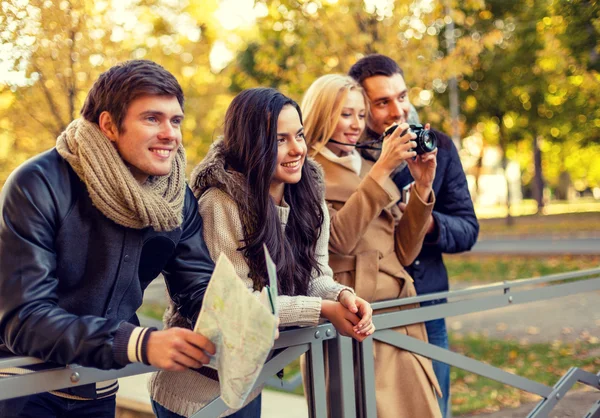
{"x":426,"y":141}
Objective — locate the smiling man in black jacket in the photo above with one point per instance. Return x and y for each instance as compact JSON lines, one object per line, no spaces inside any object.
{"x":453,"y":227}
{"x":86,"y":226}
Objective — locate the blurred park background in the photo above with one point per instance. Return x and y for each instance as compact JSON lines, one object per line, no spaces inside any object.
{"x":515,"y":82}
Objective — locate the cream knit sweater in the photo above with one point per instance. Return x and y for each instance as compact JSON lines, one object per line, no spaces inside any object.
{"x":186,"y":392}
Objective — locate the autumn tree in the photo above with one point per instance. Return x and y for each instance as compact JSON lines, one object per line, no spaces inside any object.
{"x":57,"y":49}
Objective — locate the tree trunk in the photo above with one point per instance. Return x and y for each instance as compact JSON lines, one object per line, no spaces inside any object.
{"x":538,"y":177}
{"x":503,"y":141}
{"x":478,"y":169}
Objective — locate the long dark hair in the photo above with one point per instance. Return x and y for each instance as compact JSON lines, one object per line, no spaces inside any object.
{"x":250,"y":137}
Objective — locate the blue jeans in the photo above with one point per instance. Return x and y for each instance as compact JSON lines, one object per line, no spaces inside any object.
{"x":252,"y":410}
{"x":437,"y":334}
{"x":50,"y":406}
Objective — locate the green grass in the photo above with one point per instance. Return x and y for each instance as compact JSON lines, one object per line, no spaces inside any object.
{"x":543,"y":363}
{"x":566,"y":224}
{"x":489,"y":269}
{"x":529,"y":207}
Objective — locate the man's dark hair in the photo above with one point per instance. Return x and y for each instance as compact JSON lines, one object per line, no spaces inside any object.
{"x":250,"y":138}
{"x":371,"y":65}
{"x":116,"y":88}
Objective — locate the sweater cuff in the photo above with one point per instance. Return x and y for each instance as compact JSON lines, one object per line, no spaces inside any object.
{"x":342,"y":288}
{"x":130,"y":344}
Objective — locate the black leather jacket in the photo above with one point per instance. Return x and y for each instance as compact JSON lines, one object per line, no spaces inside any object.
{"x":71,"y":279}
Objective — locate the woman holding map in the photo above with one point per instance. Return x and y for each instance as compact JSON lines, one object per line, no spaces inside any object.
{"x":256,"y":187}
{"x":368,"y":251}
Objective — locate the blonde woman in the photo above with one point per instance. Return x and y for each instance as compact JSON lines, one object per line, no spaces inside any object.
{"x":370,"y":239}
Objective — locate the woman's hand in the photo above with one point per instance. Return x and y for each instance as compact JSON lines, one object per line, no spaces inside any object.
{"x":422,"y":169}
{"x":360,"y":307}
{"x":395,"y":149}
{"x":342,"y":319}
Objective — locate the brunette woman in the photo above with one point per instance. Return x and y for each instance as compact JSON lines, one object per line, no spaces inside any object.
{"x":257,"y":186}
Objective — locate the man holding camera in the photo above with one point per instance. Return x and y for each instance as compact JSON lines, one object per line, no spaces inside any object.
{"x":453,"y":226}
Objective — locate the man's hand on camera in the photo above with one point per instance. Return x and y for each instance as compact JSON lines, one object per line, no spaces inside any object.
{"x":422,"y":169}
{"x":178,"y":349}
{"x":395,"y":149}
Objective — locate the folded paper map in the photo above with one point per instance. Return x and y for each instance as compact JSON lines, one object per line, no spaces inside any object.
{"x":272,"y":286}
{"x":241,"y":326}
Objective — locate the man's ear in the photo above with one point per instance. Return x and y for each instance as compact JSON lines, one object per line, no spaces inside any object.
{"x":107,"y":126}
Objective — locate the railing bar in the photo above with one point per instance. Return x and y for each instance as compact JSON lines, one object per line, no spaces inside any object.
{"x":44,"y":381}
{"x":428,"y":313}
{"x":287,"y":338}
{"x":287,"y":385}
{"x":341,"y":378}
{"x":296,"y":336}
{"x":216,"y":407}
{"x":564,"y":384}
{"x":587,"y":378}
{"x":594,"y":411}
{"x":475,"y":290}
{"x":280,"y":360}
{"x":317,"y":371}
{"x":405,"y":342}
{"x":213,"y":409}
{"x":552,"y":277}
{"x":367,"y":369}
{"x":299,"y":339}
{"x":543,"y":408}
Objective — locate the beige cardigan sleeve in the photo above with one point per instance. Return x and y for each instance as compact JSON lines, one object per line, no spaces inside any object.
{"x":323,"y":285}
{"x":223,"y":234}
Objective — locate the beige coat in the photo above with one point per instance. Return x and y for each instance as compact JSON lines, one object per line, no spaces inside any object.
{"x":370,"y":241}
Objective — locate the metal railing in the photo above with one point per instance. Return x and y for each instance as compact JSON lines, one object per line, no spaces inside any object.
{"x":357,"y":399}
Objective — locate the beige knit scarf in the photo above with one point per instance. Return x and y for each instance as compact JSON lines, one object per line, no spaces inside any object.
{"x":157,"y":203}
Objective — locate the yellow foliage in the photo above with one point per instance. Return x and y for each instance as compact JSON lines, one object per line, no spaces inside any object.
{"x":6,"y":145}
{"x":7,"y":98}
{"x":491,"y":39}
{"x":470,"y":103}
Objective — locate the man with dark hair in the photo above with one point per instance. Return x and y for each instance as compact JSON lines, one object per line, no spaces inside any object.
{"x":453,"y":227}
{"x":86,"y":226}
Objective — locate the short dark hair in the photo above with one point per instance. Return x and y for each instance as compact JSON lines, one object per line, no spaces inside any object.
{"x":117,"y":87}
{"x":375,"y":64}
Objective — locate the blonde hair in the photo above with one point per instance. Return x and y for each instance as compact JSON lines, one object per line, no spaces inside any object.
{"x":322,"y":106}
